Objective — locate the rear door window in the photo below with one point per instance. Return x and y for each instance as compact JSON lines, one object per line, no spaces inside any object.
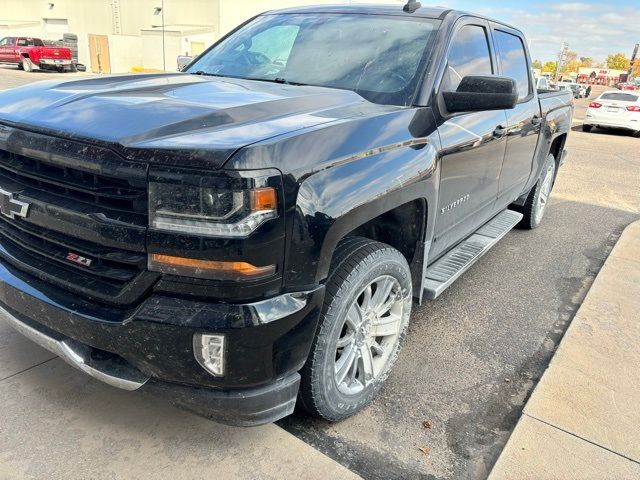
{"x":514,"y":61}
{"x":468,"y":55}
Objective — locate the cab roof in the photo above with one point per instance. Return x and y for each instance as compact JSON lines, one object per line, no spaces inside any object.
{"x":389,"y":9}
{"x":369,"y":9}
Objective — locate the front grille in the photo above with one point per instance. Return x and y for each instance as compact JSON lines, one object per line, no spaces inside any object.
{"x":108,"y":278}
{"x":73,"y":184}
{"x":85,"y":203}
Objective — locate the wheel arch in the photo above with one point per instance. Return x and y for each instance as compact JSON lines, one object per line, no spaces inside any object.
{"x":397,"y":222}
{"x":388,"y":208}
{"x":557,"y":147}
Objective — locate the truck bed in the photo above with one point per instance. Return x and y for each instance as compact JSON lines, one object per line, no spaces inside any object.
{"x":552,"y":100}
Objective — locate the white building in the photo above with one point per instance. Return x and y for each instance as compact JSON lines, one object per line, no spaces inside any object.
{"x":120,"y":35}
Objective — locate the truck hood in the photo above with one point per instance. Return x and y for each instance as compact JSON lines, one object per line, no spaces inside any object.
{"x":175,"y":118}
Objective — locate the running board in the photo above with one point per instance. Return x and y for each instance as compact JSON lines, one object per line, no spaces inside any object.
{"x":447,"y":269}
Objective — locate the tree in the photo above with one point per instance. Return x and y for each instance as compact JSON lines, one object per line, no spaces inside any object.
{"x":586,"y":62}
{"x":571,"y":57}
{"x":618,"y":61}
{"x":549,"y":67}
{"x":537,"y":64}
{"x":571,"y":67}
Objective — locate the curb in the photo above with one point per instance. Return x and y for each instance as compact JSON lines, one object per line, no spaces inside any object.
{"x":581,"y":419}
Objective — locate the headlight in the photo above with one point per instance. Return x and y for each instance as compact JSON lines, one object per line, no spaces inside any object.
{"x":210,"y":211}
{"x":229,"y":205}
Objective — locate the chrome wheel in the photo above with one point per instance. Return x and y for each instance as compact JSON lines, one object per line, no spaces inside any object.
{"x":369,"y":335}
{"x":545,"y":191}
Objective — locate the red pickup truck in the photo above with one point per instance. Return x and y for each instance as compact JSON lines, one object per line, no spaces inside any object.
{"x":29,"y":53}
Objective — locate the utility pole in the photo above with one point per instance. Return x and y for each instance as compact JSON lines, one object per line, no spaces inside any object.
{"x":562,"y":57}
{"x":633,"y":62}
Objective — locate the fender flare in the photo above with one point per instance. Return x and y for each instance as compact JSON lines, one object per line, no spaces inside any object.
{"x":336,"y":201}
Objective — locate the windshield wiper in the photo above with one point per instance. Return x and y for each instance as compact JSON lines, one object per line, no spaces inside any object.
{"x":207,"y":74}
{"x":283,"y":81}
{"x":287,"y":82}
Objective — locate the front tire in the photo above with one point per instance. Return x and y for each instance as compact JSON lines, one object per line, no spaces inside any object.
{"x":538,"y":198}
{"x":362,"y":327}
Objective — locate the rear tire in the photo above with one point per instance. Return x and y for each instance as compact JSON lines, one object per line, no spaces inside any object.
{"x":27,"y":65}
{"x":538,"y":198}
{"x":362,"y":327}
{"x":587,"y":128}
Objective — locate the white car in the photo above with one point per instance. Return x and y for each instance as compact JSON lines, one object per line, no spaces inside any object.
{"x":569,"y":87}
{"x":614,"y":109}
{"x":542,"y":83}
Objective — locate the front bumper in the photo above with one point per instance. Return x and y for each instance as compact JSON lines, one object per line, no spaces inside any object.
{"x":150,"y":348}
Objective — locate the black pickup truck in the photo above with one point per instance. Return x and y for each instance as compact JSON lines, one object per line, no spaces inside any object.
{"x":251,"y":234}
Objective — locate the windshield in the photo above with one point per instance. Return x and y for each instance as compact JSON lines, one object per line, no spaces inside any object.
{"x":379,"y":57}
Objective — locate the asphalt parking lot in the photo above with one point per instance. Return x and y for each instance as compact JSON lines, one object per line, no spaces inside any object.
{"x":471,"y":360}
{"x":11,"y":77}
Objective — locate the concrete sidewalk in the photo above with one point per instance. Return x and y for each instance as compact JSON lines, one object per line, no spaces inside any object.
{"x":581,"y":421}
{"x":58,"y":423}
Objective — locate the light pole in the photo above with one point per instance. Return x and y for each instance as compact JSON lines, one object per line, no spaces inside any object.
{"x":160,"y":10}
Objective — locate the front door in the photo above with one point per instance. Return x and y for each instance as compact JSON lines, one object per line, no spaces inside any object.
{"x":472,"y":145}
{"x":6,"y":49}
{"x":523,"y":122}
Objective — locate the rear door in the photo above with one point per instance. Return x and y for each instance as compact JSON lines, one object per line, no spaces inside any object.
{"x":472,"y":144}
{"x":524,"y":121}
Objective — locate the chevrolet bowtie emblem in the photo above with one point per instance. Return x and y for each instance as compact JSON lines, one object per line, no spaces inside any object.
{"x":11,"y":207}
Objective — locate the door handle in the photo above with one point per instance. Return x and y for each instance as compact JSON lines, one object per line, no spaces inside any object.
{"x":536,"y":120}
{"x":500,"y":131}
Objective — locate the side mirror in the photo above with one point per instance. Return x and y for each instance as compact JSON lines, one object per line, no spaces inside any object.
{"x":477,"y":93}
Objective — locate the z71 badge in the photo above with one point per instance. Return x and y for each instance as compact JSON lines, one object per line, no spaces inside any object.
{"x":75,"y":258}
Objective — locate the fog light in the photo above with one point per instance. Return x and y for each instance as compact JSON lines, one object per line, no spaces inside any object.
{"x":209,"y":352}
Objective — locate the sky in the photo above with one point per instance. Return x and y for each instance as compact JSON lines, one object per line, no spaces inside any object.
{"x":591,"y":28}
